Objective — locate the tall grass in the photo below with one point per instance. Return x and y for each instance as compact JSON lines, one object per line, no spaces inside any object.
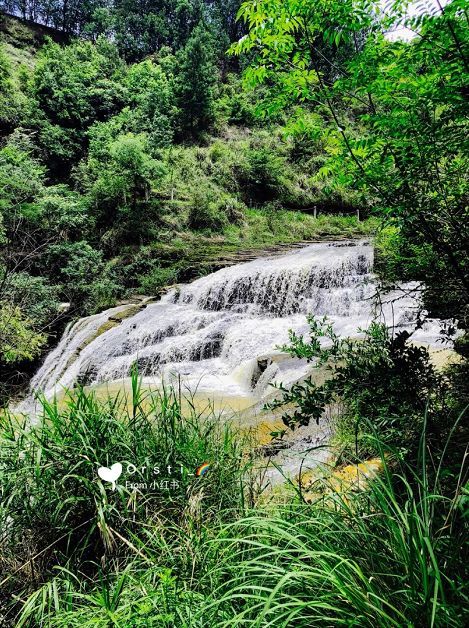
{"x":390,"y":552}
{"x":395,"y":554}
{"x":57,"y":517}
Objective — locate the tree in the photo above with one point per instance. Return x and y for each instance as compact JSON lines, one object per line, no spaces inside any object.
{"x":118,"y":177}
{"x":396,"y":109}
{"x":151,"y":100}
{"x":261,"y":177}
{"x":18,"y":339}
{"x":196,"y":77}
{"x":71,"y":88}
{"x":143,"y":27}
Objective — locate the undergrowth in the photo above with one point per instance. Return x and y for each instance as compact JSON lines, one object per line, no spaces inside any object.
{"x":390,"y":551}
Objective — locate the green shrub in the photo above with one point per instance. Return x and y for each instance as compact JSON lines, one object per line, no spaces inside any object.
{"x":261,"y":176}
{"x":382,"y":379}
{"x":157,"y":278}
{"x":234,"y":105}
{"x":76,"y":265}
{"x":19,"y":339}
{"x":206,"y":209}
{"x":85,"y":280}
{"x":71,"y":87}
{"x":34,"y":295}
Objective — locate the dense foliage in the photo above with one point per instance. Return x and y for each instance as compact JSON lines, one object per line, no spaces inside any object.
{"x":111,"y":169}
{"x":398,"y":114}
{"x":133,"y":156}
{"x":139,"y":27}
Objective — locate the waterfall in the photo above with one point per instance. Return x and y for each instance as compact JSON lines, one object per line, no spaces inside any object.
{"x":221,"y":333}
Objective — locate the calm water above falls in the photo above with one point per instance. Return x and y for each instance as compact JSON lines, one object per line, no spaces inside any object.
{"x":220,"y":333}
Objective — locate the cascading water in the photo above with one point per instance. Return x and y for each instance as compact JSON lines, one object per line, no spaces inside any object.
{"x":221,"y":333}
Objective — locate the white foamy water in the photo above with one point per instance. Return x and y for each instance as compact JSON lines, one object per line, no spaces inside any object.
{"x":215,"y":332}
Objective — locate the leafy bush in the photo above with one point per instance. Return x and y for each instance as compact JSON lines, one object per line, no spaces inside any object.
{"x":118,"y":177}
{"x":151,"y":99}
{"x":34,"y":295}
{"x":382,"y":379}
{"x":234,"y":105}
{"x":157,"y":278}
{"x":206,"y":209}
{"x":77,"y":265}
{"x":18,"y":338}
{"x":21,"y":176}
{"x":261,"y":176}
{"x":61,"y":213}
{"x":72,"y":87}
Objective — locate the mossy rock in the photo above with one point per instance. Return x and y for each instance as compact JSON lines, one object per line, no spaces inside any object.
{"x":102,"y":329}
{"x":129,"y":311}
{"x":112,"y":321}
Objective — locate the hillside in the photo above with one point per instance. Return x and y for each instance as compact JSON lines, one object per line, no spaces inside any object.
{"x":130,"y":187}
{"x":22,"y":39}
{"x":271,"y":444}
